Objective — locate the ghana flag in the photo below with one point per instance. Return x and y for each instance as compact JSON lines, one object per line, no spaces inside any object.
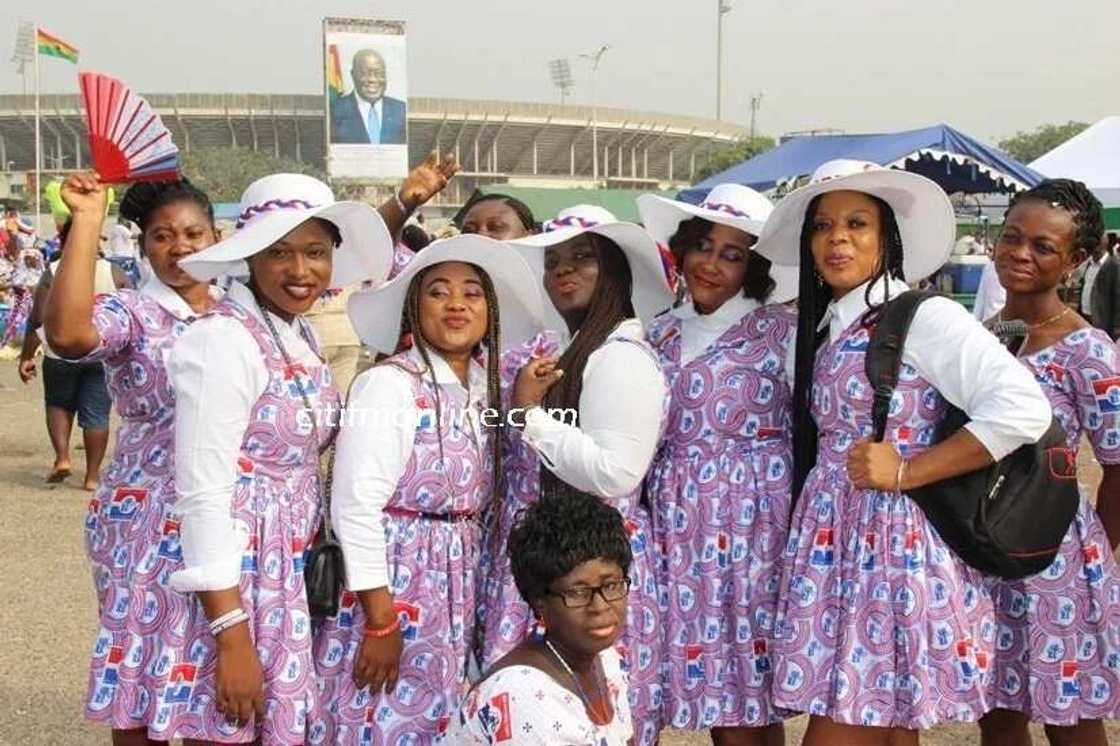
{"x":334,"y":73}
{"x":52,"y":46}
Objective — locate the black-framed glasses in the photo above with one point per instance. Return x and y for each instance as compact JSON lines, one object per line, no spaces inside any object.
{"x":578,"y":598}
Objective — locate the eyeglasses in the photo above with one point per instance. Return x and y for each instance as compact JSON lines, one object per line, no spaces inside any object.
{"x":578,"y":598}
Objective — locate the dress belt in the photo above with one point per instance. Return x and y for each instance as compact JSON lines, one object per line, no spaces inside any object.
{"x":455,"y":516}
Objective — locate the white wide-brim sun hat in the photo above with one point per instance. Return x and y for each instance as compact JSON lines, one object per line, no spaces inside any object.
{"x":921,"y":208}
{"x":650,"y":293}
{"x":274,"y":206}
{"x":376,"y":312}
{"x":733,"y":205}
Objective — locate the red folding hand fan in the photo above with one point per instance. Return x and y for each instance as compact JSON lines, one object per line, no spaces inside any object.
{"x":127,"y":140}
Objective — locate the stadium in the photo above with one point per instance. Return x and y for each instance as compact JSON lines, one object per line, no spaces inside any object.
{"x":497,"y":142}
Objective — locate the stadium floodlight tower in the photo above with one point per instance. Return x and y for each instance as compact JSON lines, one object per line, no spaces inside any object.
{"x":595,"y":57}
{"x":561,"y":72}
{"x":23,"y":53}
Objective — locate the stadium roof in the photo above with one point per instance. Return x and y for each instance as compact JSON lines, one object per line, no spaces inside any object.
{"x":495,"y":140}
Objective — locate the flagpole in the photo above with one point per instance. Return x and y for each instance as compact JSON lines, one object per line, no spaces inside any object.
{"x":38,"y":142}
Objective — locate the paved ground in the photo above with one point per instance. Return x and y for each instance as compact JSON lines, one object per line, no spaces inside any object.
{"x":47,"y":622}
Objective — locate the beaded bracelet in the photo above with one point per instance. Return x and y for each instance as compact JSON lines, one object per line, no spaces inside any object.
{"x":385,"y":631}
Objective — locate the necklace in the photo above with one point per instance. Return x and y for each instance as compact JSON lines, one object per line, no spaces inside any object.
{"x":1047,"y":322}
{"x":579,"y":687}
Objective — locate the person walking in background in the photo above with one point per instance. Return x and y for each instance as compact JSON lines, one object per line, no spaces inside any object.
{"x":1055,"y":663}
{"x":69,"y":388}
{"x":570,"y":558}
{"x":719,"y":486}
{"x":416,"y":470}
{"x":253,"y":402}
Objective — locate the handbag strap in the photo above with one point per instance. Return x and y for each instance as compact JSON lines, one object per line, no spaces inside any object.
{"x":884,"y":354}
{"x":324,"y":488}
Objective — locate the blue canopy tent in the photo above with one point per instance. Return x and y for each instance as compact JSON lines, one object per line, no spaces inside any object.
{"x":951,"y":158}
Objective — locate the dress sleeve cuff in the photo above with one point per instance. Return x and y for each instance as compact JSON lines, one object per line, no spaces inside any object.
{"x":998,"y":444}
{"x":223,"y":573}
{"x":538,"y":425}
{"x":363,"y":576}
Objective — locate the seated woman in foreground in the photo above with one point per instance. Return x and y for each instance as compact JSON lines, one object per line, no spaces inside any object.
{"x":570,"y":555}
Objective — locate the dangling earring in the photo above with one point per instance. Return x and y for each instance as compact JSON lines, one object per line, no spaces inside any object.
{"x":539,"y":631}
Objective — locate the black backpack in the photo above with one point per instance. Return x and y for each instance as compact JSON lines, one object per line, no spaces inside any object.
{"x":1007,"y":519}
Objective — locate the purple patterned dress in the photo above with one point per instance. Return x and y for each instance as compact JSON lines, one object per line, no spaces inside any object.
{"x":433,"y":539}
{"x":277,"y":500}
{"x":132,"y":539}
{"x":1058,"y":642}
{"x":508,"y":619}
{"x":719,"y":487}
{"x":879,"y":623}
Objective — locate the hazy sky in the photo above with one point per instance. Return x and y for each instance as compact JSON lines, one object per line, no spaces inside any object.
{"x":990,"y":67}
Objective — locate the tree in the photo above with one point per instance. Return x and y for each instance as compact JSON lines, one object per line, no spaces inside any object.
{"x":1028,"y":146}
{"x":724,"y":157}
{"x":223,"y":173}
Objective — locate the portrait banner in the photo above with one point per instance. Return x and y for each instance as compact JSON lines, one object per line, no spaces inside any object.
{"x":366,"y":85}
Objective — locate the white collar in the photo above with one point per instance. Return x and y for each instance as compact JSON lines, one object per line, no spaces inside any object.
{"x":243,"y":296}
{"x":842,"y":313}
{"x":363,"y":106}
{"x":730,"y":312}
{"x":169,"y":300}
{"x":445,"y":376}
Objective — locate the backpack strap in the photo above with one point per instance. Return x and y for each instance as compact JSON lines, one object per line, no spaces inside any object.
{"x":884,"y":353}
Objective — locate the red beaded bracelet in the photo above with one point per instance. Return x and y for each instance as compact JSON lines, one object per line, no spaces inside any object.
{"x":385,"y":631}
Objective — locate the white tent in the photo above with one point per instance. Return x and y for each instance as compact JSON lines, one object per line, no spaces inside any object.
{"x":1092,"y":157}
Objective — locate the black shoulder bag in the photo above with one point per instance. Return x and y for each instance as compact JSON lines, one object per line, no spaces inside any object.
{"x":1007,"y":519}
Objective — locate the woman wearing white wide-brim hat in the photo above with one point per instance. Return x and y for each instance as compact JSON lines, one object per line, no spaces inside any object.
{"x":602,"y":277}
{"x":719,"y":487}
{"x":882,"y":630}
{"x":416,"y":468}
{"x":254,"y":400}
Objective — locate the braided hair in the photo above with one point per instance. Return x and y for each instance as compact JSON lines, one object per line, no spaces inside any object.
{"x":524,"y":214}
{"x":757,"y":282}
{"x":1075,"y":198}
{"x":493,"y":358}
{"x":813,"y":299}
{"x":145,"y":197}
{"x":610,"y":305}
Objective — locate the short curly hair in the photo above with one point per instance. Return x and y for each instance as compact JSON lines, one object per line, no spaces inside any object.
{"x":757,"y":283}
{"x":1074,"y":197}
{"x":558,"y":533}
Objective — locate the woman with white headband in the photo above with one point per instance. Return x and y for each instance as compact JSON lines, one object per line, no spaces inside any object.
{"x":255,"y":402}
{"x":882,"y":630}
{"x":719,"y":486}
{"x":592,"y":419}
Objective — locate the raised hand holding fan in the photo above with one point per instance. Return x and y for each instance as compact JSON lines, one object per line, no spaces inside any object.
{"x":127,"y":139}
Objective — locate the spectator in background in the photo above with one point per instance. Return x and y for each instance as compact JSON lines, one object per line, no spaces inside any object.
{"x":1092,"y":269}
{"x":990,"y":295}
{"x":496,"y":216}
{"x":69,"y":388}
{"x":121,"y":252}
{"x":1106,"y":293}
{"x":415,"y":237}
